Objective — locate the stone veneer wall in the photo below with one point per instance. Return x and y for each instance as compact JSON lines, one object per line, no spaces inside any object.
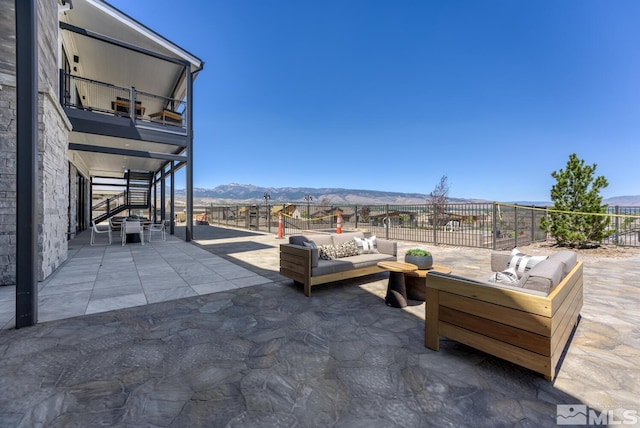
{"x":53,"y":128}
{"x":53,"y":175}
{"x":7,"y":183}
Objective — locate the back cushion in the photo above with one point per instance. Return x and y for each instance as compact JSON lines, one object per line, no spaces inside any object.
{"x":544,"y":276}
{"x":499,"y":261}
{"x":318,"y":239}
{"x":568,"y":259}
{"x":340,"y":238}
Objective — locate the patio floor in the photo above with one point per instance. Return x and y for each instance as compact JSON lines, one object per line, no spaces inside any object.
{"x":209,"y":334}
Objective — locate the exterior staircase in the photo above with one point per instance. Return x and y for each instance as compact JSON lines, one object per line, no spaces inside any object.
{"x":137,"y":196}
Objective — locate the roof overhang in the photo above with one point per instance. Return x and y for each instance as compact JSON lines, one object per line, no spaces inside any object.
{"x":106,"y":45}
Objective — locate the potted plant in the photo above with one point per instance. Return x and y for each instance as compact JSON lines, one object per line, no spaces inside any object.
{"x":419,"y":257}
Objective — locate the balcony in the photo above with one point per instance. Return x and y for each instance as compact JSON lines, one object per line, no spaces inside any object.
{"x":108,"y":104}
{"x":105,"y":124}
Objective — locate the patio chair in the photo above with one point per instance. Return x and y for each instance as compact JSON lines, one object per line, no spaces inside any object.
{"x":95,"y":230}
{"x":132,"y":227}
{"x":116,"y":226}
{"x":157,"y":228}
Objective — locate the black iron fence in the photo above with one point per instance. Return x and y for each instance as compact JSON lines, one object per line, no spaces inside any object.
{"x":488,"y":225}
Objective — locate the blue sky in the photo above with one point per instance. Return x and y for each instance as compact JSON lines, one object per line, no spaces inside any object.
{"x":392,"y":95}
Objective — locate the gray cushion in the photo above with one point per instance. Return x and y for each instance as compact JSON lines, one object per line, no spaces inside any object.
{"x":568,"y":259}
{"x":499,"y":261}
{"x":544,"y":276}
{"x":318,"y":239}
{"x":340,"y":265}
{"x":340,"y":238}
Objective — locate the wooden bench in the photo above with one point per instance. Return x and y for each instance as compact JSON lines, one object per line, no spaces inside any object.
{"x":167,"y":116}
{"x":123,"y":106}
{"x":528,"y":329}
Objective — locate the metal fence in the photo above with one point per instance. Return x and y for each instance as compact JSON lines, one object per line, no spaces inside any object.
{"x":490,"y":225}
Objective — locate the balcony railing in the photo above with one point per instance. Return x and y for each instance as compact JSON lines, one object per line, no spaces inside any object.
{"x":91,"y":95}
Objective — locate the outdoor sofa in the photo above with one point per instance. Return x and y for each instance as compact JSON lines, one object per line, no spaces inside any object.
{"x":301,"y":259}
{"x":528,"y":323}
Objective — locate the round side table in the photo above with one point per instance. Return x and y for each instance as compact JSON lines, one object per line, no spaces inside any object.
{"x":396,"y":289}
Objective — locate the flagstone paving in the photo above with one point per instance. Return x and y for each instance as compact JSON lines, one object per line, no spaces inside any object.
{"x":248,"y":349}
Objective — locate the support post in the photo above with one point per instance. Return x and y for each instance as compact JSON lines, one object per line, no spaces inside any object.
{"x":173,"y":199}
{"x":163,"y":191}
{"x":189,"y":174}
{"x":26,"y":163}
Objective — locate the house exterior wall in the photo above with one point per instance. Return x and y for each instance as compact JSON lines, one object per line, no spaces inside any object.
{"x":53,"y":130}
{"x":7,"y":184}
{"x":53,"y":176}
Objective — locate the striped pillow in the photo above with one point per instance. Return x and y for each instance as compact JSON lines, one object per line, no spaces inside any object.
{"x":367,"y":245}
{"x":523,"y":262}
{"x":507,"y":276}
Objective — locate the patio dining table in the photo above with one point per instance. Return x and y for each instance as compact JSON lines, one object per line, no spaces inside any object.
{"x":133,"y":238}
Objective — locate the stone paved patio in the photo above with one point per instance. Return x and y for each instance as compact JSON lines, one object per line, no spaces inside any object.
{"x":266,"y":355}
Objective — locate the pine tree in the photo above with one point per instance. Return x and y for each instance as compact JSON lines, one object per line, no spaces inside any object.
{"x":576,"y":192}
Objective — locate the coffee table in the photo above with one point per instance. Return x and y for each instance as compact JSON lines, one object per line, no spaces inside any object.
{"x":396,"y":289}
{"x":416,"y":282}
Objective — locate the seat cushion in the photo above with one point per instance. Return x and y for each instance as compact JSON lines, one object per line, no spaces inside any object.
{"x":326,"y":267}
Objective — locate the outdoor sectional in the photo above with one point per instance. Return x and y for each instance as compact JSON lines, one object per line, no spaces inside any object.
{"x":529,"y":323}
{"x":304,"y":265}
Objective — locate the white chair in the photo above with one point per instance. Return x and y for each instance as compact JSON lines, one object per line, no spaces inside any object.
{"x":132,"y":227}
{"x":158,"y":228}
{"x":115,"y":226}
{"x":95,"y":230}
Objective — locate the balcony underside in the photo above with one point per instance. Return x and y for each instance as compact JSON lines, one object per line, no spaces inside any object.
{"x":108,"y":145}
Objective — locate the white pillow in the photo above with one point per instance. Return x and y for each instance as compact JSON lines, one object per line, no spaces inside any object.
{"x":507,"y":276}
{"x":367,"y":245}
{"x":522,"y":262}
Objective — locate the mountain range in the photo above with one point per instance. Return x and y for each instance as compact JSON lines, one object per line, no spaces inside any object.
{"x":234,"y":193}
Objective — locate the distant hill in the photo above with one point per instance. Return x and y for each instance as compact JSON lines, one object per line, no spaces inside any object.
{"x":234,"y":193}
{"x":249,"y":193}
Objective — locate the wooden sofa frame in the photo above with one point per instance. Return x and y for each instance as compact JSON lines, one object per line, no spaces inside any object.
{"x":526,"y":329}
{"x":295,"y":263}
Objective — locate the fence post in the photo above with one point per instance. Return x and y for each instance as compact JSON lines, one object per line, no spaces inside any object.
{"x":515,"y":227}
{"x":435,"y":225}
{"x":355,"y":210}
{"x":494,"y":226}
{"x":386,"y":223}
{"x":617,"y":211}
{"x":533,"y":223}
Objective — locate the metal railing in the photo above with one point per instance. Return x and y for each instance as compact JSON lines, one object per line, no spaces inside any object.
{"x":108,"y":204}
{"x":92,"y":95}
{"x":489,"y":225}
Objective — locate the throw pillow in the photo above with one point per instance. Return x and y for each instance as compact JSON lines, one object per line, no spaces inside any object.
{"x":522,"y":262}
{"x":366,"y":245}
{"x":331,"y":252}
{"x":507,"y":276}
{"x":310,"y":244}
{"x":325,"y":252}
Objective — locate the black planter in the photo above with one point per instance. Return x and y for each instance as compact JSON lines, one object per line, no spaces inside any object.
{"x":423,"y":262}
